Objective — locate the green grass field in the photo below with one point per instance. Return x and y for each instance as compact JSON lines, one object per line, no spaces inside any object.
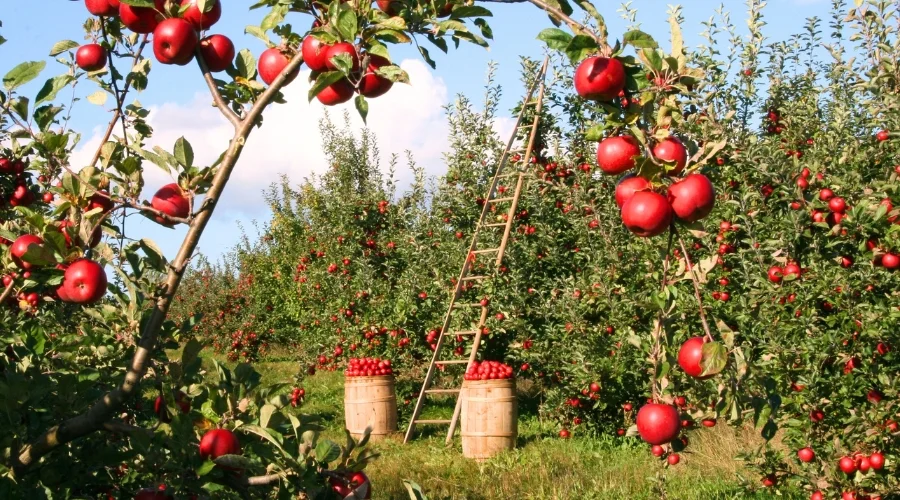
{"x":542,"y":466}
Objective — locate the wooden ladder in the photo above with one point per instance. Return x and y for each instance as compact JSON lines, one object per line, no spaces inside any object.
{"x":520,"y":155}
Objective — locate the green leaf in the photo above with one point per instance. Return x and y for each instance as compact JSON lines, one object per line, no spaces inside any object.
{"x":393,"y":73}
{"x":246,"y":64}
{"x":580,"y":47}
{"x":52,"y":87}
{"x":62,"y":46}
{"x":714,"y":359}
{"x":639,"y":39}
{"x":347,"y":24}
{"x":191,"y":351}
{"x":362,"y":107}
{"x":265,"y":414}
{"x":99,"y":98}
{"x":324,"y":80}
{"x":463,"y":11}
{"x":44,"y":116}
{"x":205,"y":468}
{"x":155,"y":257}
{"x":274,"y":17}
{"x":22,"y":74}
{"x":184,"y":153}
{"x":343,"y":63}
{"x":555,"y":38}
{"x":595,"y":133}
{"x":258,"y":33}
{"x":139,"y":3}
{"x":20,"y":106}
{"x":327,"y":451}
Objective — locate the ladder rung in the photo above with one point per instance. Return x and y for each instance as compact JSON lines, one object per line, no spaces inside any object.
{"x":442,"y":391}
{"x":495,"y":224}
{"x":527,"y":125}
{"x":431,"y":421}
{"x":474,"y":304}
{"x":452,"y":362}
{"x":473,"y":278}
{"x":498,"y":200}
{"x":532,"y":102}
{"x":485,"y":250}
{"x":463,"y":332}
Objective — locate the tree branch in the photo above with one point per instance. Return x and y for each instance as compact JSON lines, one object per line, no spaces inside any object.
{"x":118,"y":427}
{"x":102,"y":410}
{"x":694,"y":280}
{"x":214,"y":90}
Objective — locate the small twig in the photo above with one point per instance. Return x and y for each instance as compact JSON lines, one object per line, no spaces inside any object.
{"x":120,"y":98}
{"x":696,"y":282}
{"x":118,"y":427}
{"x":657,"y":330}
{"x":118,"y":112}
{"x":7,"y":292}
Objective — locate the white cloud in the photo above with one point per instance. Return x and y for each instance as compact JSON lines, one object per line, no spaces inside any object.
{"x":409,"y":117}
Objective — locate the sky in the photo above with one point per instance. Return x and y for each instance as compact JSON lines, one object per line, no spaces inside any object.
{"x":409,"y":117}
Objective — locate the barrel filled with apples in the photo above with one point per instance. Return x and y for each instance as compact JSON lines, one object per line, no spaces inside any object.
{"x":489,"y":410}
{"x":370,"y":399}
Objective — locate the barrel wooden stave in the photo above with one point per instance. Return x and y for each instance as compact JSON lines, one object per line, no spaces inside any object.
{"x":489,"y":417}
{"x":370,"y":401}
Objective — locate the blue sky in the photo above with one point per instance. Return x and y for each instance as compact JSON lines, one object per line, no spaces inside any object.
{"x":407,"y":118}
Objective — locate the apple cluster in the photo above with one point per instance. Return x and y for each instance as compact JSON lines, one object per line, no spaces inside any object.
{"x":176,"y":39}
{"x":369,"y":367}
{"x":489,"y":370}
{"x":243,"y":345}
{"x":297,"y":395}
{"x":645,"y":211}
{"x":16,"y":187}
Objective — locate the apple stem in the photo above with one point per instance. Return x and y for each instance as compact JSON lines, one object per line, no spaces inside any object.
{"x":696,"y":283}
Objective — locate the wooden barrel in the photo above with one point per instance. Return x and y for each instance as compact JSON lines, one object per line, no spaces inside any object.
{"x":489,"y":417}
{"x":370,"y":402}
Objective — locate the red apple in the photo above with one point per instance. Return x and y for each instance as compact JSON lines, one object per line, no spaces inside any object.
{"x":159,"y":406}
{"x":826,"y":194}
{"x":670,"y":150}
{"x":152,"y":494}
{"x":202,"y":20}
{"x":356,"y":486}
{"x":174,"y":41}
{"x":692,"y":198}
{"x":658,"y":423}
{"x":615,"y":155}
{"x":890,"y":261}
{"x":599,"y":78}
{"x":837,"y":205}
{"x":689,"y":356}
{"x":876,"y":460}
{"x":100,"y":200}
{"x":142,"y":19}
{"x":338,"y":49}
{"x":565,"y":434}
{"x":673,"y":459}
{"x":271,"y":63}
{"x":91,"y":57}
{"x":21,"y":246}
{"x":627,"y":186}
{"x":217,"y":51}
{"x":847,"y":465}
{"x":806,"y":455}
{"x":218,"y":442}
{"x":102,"y":7}
{"x":314,"y":51}
{"x":172,"y":201}
{"x":883,"y":135}
{"x":390,"y":7}
{"x":657,"y":450}
{"x":336,"y":93}
{"x":775,"y":274}
{"x":372,"y":84}
{"x":647,"y":213}
{"x":85,"y":282}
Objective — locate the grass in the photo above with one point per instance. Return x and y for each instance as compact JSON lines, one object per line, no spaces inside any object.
{"x":542,"y":466}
